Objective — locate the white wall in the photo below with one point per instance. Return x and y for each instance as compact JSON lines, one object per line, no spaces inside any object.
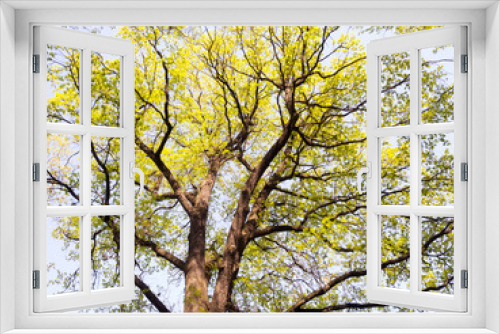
{"x":484,"y":178}
{"x":492,"y":257}
{"x":7,"y":185}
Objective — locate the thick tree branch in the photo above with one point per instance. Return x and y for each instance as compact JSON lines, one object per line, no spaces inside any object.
{"x":150,"y":295}
{"x":324,"y":289}
{"x":102,"y":164}
{"x":441,"y":286}
{"x":356,"y":306}
{"x":262,"y":232}
{"x":176,"y":187}
{"x":313,"y":143}
{"x":161,"y":252}
{"x":339,"y":279}
{"x":235,"y":244}
{"x":69,"y":189}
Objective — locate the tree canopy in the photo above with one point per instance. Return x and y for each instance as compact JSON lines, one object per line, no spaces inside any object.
{"x":250,"y":139}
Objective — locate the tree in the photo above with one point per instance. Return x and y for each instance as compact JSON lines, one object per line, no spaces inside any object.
{"x":250,"y":138}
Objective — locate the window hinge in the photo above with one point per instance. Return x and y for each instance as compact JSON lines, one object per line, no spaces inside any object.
{"x":464,"y":171}
{"x":36,"y":279}
{"x":36,"y":172}
{"x":465,"y":64}
{"x":36,"y":63}
{"x":464,"y":279}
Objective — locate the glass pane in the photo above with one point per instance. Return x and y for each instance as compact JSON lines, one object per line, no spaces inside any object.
{"x":63,"y":169}
{"x":105,"y":171}
{"x":63,"y":85}
{"x":395,"y":89}
{"x":437,"y":169}
{"x":105,"y":252}
{"x":395,"y":252}
{"x":105,"y":89}
{"x":437,"y":254}
{"x":437,"y":84}
{"x":395,"y":170}
{"x":63,"y":255}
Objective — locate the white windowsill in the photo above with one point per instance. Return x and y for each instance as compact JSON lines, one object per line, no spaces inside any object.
{"x":251,"y":331}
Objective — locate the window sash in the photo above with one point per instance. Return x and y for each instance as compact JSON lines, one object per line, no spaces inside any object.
{"x":86,"y":297}
{"x":412,"y":43}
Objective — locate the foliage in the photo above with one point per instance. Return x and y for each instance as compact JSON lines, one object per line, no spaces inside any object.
{"x":250,"y":139}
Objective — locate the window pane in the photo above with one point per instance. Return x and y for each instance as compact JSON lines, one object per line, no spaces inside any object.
{"x":63,"y":255}
{"x":106,"y":171}
{"x":437,"y":84}
{"x":437,"y":169}
{"x":395,"y":89}
{"x":63,"y":169}
{"x":105,"y":89}
{"x":105,"y":253}
{"x":63,"y":85}
{"x":395,"y":170}
{"x":395,"y":252}
{"x":437,"y":254}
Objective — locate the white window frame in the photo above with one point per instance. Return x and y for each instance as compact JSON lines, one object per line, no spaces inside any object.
{"x":413,"y":43}
{"x":484,"y":50}
{"x":86,"y":43}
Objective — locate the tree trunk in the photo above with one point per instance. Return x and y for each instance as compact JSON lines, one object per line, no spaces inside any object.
{"x":231,"y":259}
{"x":234,"y":243}
{"x":196,"y":283}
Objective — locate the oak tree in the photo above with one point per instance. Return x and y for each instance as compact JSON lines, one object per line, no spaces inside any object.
{"x":250,"y":139}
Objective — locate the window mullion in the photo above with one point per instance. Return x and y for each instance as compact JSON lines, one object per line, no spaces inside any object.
{"x":72,"y":129}
{"x":396,"y":131}
{"x":433,"y":128}
{"x":414,"y":170}
{"x":406,"y":210}
{"x":85,"y":269}
{"x":109,"y":210}
{"x":101,"y":131}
